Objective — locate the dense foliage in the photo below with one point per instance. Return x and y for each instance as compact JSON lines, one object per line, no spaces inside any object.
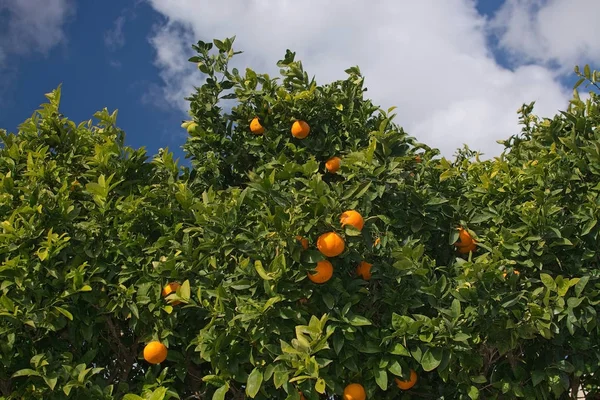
{"x":92,"y":232}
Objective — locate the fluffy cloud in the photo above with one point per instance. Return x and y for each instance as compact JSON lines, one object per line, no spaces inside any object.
{"x":554,"y":32}
{"x":429,"y":58}
{"x":32,"y":26}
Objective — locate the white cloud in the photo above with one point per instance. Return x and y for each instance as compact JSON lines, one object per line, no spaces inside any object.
{"x":553,"y":32}
{"x":114,"y":38}
{"x":429,"y":58}
{"x":32,"y":26}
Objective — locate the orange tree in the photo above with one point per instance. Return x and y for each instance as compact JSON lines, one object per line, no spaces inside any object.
{"x":311,"y":251}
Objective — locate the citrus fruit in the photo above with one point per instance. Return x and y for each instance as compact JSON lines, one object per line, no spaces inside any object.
{"x":324,"y":272}
{"x":300,"y":129}
{"x":377,"y":242}
{"x":169,"y":288}
{"x":464,"y":238}
{"x":514,"y":272}
{"x":256,"y":127}
{"x":303,"y":242}
{"x":364,"y":270}
{"x":333,"y":164}
{"x":405,"y":385}
{"x":352,"y":218}
{"x":467,"y":249}
{"x":331,"y":244}
{"x":354,"y":391}
{"x":155,"y":352}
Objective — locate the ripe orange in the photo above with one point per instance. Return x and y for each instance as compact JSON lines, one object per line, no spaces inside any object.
{"x":256,"y":127}
{"x":324,"y":272}
{"x":352,"y":218}
{"x":303,"y":242}
{"x":354,"y":391}
{"x":467,"y":249}
{"x":155,"y":352}
{"x":405,"y":385}
{"x":514,"y":272}
{"x":331,"y":244}
{"x":333,"y":164}
{"x":364,"y":270}
{"x":377,"y":242}
{"x":300,"y":129}
{"x":464,"y":238}
{"x":169,"y":288}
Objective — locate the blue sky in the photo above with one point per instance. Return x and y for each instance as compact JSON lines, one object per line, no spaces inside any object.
{"x":458,"y":70}
{"x":96,"y":74}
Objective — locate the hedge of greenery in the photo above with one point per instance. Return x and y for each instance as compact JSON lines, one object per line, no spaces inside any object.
{"x":92,"y":231}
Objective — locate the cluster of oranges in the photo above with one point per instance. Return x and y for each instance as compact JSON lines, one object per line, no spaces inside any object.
{"x":331,"y":244}
{"x":155,"y":352}
{"x":300,"y":130}
{"x":356,"y":391}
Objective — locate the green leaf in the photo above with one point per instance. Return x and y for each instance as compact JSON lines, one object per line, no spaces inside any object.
{"x":473,"y":393}
{"x":64,"y":312}
{"x":51,"y":381}
{"x":184,"y":290}
{"x":25,"y":372}
{"x":320,"y":385}
{"x":220,"y":393}
{"x":587,"y":72}
{"x":434,"y":201}
{"x":130,"y":396}
{"x":589,"y":226}
{"x":399,"y":350}
{"x":579,"y":82}
{"x":431,"y":359}
{"x":254,"y":382}
{"x":261,"y":271}
{"x":581,"y":285}
{"x":357,"y":320}
{"x":158,"y":394}
{"x":381,"y":378}
{"x":280,"y":376}
{"x":7,"y":303}
{"x":548,"y":281}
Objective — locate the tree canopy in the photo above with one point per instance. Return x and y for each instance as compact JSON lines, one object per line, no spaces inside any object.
{"x":449,"y":278}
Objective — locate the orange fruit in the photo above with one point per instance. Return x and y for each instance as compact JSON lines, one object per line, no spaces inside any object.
{"x":256,"y":127}
{"x":333,"y":164}
{"x":364,"y":270}
{"x":324,"y":272}
{"x":169,"y":288}
{"x":352,"y":218}
{"x":514,"y":272}
{"x":405,"y":385}
{"x":331,"y":244}
{"x":464,"y":238}
{"x":155,"y":352}
{"x":300,"y":129}
{"x":467,"y":249}
{"x":418,"y":159}
{"x":354,"y":391}
{"x":303,"y":242}
{"x":377,"y":242}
